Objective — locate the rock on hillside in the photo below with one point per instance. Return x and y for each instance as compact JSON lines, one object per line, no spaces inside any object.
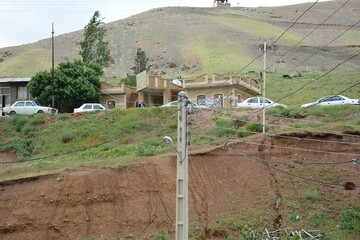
{"x":189,"y":41}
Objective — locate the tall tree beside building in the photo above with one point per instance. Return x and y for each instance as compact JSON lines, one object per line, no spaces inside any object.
{"x":140,"y":65}
{"x":140,"y":62}
{"x":94,"y":50}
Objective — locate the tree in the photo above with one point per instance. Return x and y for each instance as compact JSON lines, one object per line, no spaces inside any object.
{"x":140,"y":62}
{"x":94,"y":50}
{"x":75,"y":84}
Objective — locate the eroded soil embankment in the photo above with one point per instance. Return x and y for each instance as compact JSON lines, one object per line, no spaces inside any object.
{"x":139,"y":200}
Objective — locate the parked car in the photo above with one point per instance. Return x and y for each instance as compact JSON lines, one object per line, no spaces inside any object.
{"x":332,"y":100}
{"x":86,"y":107}
{"x":26,"y":107}
{"x":257,"y":102}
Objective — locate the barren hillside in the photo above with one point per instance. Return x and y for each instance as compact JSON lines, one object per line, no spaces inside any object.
{"x":189,"y":41}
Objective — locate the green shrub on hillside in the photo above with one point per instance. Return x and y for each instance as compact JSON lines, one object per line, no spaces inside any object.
{"x":254,"y":127}
{"x":67,"y":137}
{"x":19,"y":122}
{"x":350,"y":221}
{"x":162,"y":236}
{"x":241,"y":132}
{"x":224,"y":128}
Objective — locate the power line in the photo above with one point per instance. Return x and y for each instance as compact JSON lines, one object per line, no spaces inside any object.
{"x":354,"y":85}
{"x":281,"y":35}
{"x":319,"y":25}
{"x":289,"y":137}
{"x":333,"y":40}
{"x":293,"y":24}
{"x":308,"y":83}
{"x":57,"y":155}
{"x":276,"y":146}
{"x":297,"y":128}
{"x":285,"y":172}
{"x":309,"y":121}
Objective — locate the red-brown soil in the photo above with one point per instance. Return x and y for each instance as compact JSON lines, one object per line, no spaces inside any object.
{"x":137,"y":201}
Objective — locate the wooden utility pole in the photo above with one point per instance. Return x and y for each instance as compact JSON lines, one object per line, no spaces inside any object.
{"x":182,"y":202}
{"x":52,"y":69}
{"x":264,"y":84}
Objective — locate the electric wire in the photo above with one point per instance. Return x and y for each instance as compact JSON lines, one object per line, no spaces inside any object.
{"x":297,"y":128}
{"x":345,"y":90}
{"x":286,"y":172}
{"x":308,"y":83}
{"x":277,"y":146}
{"x":322,"y":48}
{"x":258,"y":56}
{"x":318,"y":25}
{"x":273,"y":43}
{"x":59,"y":154}
{"x":301,"y":120}
{"x":289,"y":137}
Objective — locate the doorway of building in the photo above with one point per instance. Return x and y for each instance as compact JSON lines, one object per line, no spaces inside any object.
{"x":158,"y":100}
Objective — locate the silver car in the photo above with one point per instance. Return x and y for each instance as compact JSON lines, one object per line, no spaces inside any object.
{"x":26,"y":107}
{"x":332,"y":100}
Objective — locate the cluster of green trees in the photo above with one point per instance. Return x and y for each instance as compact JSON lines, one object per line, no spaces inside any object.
{"x":78,"y":81}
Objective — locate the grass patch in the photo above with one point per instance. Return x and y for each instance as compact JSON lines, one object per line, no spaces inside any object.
{"x":278,"y":87}
{"x":311,"y":196}
{"x":350,"y":221}
{"x":224,"y":128}
{"x":258,"y":28}
{"x":97,"y":138}
{"x":217,"y":56}
{"x":40,"y":59}
{"x":162,"y":236}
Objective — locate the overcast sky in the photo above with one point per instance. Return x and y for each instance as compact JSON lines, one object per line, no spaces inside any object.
{"x":26,"y":21}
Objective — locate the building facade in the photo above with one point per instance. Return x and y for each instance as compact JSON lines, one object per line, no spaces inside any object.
{"x":12,"y":90}
{"x":119,"y":96}
{"x":222,"y":91}
{"x":154,"y":90}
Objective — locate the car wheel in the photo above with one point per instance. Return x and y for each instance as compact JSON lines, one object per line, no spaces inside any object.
{"x":12,"y":113}
{"x":40,"y":112}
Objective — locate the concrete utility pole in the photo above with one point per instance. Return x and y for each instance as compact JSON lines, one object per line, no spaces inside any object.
{"x":52,"y":69}
{"x":182,"y":203}
{"x":264,"y":84}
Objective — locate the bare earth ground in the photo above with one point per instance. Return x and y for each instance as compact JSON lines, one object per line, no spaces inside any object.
{"x":138,"y":200}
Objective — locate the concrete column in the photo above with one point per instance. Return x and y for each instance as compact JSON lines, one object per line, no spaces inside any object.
{"x":167,"y":96}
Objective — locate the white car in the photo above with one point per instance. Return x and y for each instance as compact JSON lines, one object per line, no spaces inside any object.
{"x":257,"y":102}
{"x":332,"y":100}
{"x":27,"y":107}
{"x":86,"y":107}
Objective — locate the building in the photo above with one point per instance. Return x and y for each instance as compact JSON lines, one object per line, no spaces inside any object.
{"x":12,"y":90}
{"x":222,"y":91}
{"x":221,"y":3}
{"x":119,"y":96}
{"x":154,"y":90}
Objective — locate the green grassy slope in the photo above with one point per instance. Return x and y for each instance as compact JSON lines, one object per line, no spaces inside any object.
{"x":27,"y":63}
{"x":317,"y":87}
{"x":111,"y":137}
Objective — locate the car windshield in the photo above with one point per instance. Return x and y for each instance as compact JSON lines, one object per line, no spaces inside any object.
{"x":262,"y":100}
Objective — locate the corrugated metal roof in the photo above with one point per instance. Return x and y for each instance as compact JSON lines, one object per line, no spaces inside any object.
{"x":7,"y":80}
